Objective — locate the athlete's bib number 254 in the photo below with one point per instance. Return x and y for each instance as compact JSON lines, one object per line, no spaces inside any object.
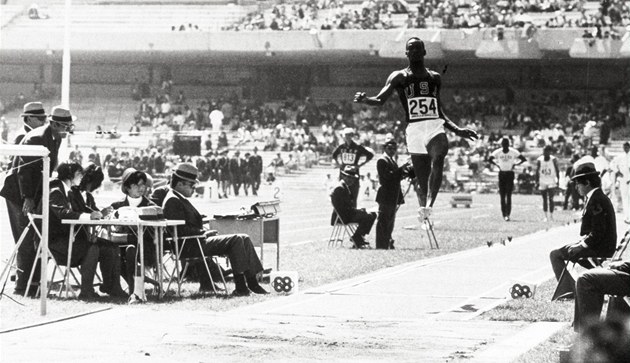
{"x":421,"y":108}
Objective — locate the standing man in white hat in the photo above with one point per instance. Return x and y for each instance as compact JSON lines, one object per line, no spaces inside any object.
{"x":349,"y":154}
{"x":30,"y":170}
{"x":33,"y":116}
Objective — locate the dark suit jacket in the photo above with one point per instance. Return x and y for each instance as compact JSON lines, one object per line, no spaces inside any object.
{"x":176,"y":206}
{"x":87,"y":205}
{"x":342,"y":200}
{"x":30,"y":167}
{"x":61,"y":208}
{"x":389,"y":176}
{"x":599,"y":224}
{"x":11,"y":188}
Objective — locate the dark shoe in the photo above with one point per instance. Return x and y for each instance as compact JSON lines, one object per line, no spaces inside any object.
{"x":357,"y":241}
{"x":117,"y":293}
{"x":32,"y":291}
{"x":239,"y":292}
{"x":89,"y":296}
{"x":253,"y":285}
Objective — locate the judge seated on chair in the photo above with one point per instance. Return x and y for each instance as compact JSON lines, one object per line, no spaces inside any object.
{"x":598,"y":233}
{"x":343,"y":203}
{"x":238,"y":247}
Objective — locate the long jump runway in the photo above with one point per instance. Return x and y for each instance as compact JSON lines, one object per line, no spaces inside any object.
{"x":417,"y":312}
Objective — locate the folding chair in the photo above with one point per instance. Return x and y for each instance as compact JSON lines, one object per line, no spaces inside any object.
{"x":340,"y":229}
{"x":179,"y":277}
{"x":12,"y":259}
{"x":566,"y":282}
{"x":64,"y":269}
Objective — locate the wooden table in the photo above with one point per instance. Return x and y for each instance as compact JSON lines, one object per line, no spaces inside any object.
{"x":260,"y":230}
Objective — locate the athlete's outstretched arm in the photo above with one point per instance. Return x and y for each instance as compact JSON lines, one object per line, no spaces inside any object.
{"x":383,"y":95}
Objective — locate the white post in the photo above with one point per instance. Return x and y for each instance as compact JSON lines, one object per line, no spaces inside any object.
{"x":45,"y":213}
{"x":65,"y":67}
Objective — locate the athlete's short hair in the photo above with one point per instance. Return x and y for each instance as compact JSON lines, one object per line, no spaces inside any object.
{"x":415,"y":39}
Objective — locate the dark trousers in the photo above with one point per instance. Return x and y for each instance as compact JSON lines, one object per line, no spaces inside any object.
{"x":247,"y":182}
{"x":236,"y":184}
{"x":571,"y":194}
{"x":385,"y":224}
{"x":506,"y":186}
{"x":547,"y":196}
{"x":27,"y":250}
{"x":591,"y":287}
{"x":255,"y":183}
{"x":364,"y":220}
{"x":238,"y":248}
{"x":560,"y":256}
{"x":87,"y":255}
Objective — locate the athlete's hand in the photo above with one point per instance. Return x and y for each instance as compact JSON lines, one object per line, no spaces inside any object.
{"x":468,"y":134}
{"x":359,"y":97}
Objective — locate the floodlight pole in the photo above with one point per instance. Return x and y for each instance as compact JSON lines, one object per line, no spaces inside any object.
{"x":65,"y":65}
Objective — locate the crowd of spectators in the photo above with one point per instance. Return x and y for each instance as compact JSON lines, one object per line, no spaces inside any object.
{"x":449,"y":14}
{"x":305,"y":131}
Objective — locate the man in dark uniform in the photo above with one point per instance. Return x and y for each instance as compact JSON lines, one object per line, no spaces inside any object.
{"x":343,"y":203}
{"x":598,"y":231}
{"x":419,"y":91}
{"x":506,"y":158}
{"x":235,"y":172}
{"x":245,"y":177}
{"x":30,"y":170}
{"x":389,"y":195}
{"x":223,"y":170}
{"x":350,"y":153}
{"x":255,"y":170}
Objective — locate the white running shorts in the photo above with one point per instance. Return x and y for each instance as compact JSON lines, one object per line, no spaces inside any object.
{"x":419,"y":134}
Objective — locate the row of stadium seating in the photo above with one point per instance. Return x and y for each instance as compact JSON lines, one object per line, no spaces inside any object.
{"x":134,"y":18}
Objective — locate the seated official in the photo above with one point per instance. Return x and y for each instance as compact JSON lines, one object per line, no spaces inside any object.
{"x":82,"y":200}
{"x":343,"y":202}
{"x":591,"y":287}
{"x":238,"y":247}
{"x":197,"y":269}
{"x":87,"y":251}
{"x":134,"y":187}
{"x":598,"y":231}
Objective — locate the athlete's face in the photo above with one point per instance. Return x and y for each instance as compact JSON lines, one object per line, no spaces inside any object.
{"x":415,"y":50}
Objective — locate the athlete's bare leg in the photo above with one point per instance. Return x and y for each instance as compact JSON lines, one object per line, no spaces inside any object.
{"x":437,"y":148}
{"x":422,"y":168}
{"x":429,"y":169}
